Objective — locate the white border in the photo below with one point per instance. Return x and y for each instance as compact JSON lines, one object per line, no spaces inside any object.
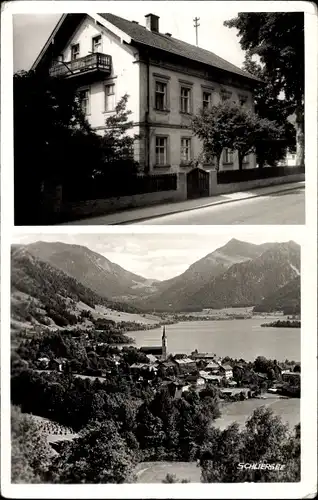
{"x":307,"y":487}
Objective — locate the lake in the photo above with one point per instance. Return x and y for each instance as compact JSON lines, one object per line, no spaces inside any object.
{"x":244,"y":338}
{"x":288,"y":409}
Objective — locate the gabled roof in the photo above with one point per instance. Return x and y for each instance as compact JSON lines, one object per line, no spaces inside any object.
{"x":203,"y":355}
{"x":184,"y":361}
{"x":152,"y":358}
{"x":212,"y":365}
{"x":142,"y":35}
{"x":227,"y":367}
{"x":139,"y":34}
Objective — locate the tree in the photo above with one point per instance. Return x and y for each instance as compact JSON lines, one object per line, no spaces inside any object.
{"x":51,"y":136}
{"x":30,"y":454}
{"x":228,"y":125}
{"x":117,"y":144}
{"x":277,"y":38}
{"x":271,"y":106}
{"x":250,"y":131}
{"x":99,"y":455}
{"x":265,"y":439}
{"x":213,"y":127}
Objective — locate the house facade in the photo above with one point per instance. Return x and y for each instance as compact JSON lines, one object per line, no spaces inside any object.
{"x":168,"y":81}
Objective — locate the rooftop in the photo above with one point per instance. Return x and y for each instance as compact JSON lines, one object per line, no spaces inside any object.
{"x":184,"y":361}
{"x":227,"y":367}
{"x":212,"y":365}
{"x":203,"y":355}
{"x":152,"y":358}
{"x":141,"y":36}
{"x":156,"y":40}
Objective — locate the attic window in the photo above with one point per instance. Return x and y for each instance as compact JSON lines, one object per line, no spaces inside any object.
{"x":97,"y":43}
{"x":75,"y":51}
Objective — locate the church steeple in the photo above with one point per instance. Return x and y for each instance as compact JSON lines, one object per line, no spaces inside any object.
{"x":164,"y":344}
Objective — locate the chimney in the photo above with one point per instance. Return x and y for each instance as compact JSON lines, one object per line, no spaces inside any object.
{"x":152,"y":23}
{"x":168,"y":34}
{"x":135,"y":22}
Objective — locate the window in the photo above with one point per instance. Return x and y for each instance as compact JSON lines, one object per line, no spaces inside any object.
{"x":161,"y":96}
{"x":84,"y":100}
{"x":75,"y":51}
{"x":206,"y":100}
{"x":97,"y":43}
{"x":242,"y":99}
{"x":185,"y":100}
{"x":110,"y":97}
{"x":227,"y":156}
{"x":161,"y":150}
{"x":185,"y":150}
{"x":246,"y":159}
{"x":225,"y":95}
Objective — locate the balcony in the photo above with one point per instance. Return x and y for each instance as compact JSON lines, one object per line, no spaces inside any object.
{"x":93,"y":63}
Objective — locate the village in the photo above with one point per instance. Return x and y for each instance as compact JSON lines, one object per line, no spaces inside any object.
{"x":233,"y":380}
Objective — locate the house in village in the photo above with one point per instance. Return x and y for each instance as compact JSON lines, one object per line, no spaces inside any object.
{"x":43,"y":362}
{"x":292,"y":378}
{"x":195,"y":381}
{"x":168,"y":366}
{"x":226,"y":370}
{"x":212,"y":367}
{"x":210,"y":378}
{"x":175,"y":387}
{"x":58,"y":364}
{"x":202,"y":356}
{"x":243,"y":392}
{"x":105,"y":56}
{"x":185,"y":365}
{"x":143,"y":367}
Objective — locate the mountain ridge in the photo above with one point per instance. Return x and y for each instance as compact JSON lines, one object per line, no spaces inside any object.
{"x":236,"y":274}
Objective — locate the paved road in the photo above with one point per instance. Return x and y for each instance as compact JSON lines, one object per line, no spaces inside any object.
{"x":286,"y":207}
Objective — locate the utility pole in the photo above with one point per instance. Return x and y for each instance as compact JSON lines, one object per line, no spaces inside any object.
{"x":196,"y":25}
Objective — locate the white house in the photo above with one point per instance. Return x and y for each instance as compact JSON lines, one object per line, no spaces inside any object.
{"x":105,"y":56}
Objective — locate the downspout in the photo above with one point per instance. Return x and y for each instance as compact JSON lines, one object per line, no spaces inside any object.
{"x":147,"y":166}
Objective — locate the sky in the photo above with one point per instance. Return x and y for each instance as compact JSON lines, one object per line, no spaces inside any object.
{"x":31,"y":31}
{"x":155,"y":256}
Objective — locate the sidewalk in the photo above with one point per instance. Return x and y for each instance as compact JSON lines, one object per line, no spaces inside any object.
{"x":138,"y":214}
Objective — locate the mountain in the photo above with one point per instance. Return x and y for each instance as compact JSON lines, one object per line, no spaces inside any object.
{"x":92,"y":269}
{"x":43,"y":294}
{"x":286,"y":299}
{"x":238,"y":274}
{"x":201,"y":272}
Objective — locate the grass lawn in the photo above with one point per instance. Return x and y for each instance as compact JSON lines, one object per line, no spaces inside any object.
{"x":155,"y":472}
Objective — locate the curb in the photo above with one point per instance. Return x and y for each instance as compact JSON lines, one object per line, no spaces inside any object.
{"x":173,"y":212}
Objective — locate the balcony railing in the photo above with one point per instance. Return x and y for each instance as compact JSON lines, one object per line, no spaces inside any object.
{"x":95,"y":61}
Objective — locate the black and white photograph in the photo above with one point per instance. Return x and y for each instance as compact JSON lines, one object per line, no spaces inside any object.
{"x":159,"y":249}
{"x":168,"y":117}
{"x":155,"y":358}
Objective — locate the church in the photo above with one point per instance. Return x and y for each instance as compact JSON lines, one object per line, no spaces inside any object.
{"x":159,"y":351}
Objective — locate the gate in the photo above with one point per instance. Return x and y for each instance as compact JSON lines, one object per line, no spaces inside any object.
{"x":197,"y":183}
